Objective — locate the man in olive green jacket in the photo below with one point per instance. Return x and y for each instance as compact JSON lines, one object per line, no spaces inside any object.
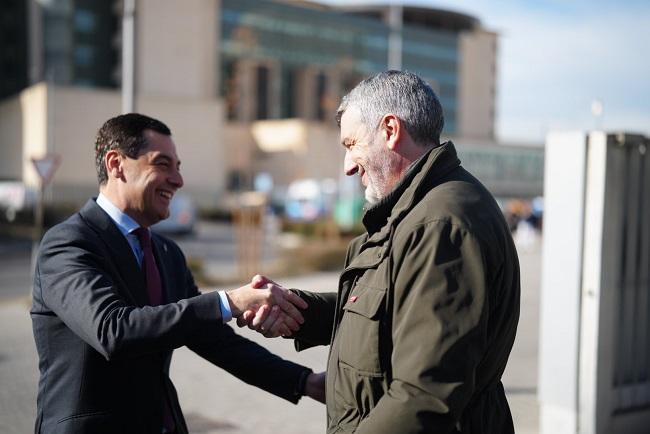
{"x":428,"y":303}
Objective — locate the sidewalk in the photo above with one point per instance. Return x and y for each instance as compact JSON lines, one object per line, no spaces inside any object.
{"x":215,"y":402}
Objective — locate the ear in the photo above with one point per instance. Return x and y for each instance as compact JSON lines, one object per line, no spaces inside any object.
{"x":391,"y":130}
{"x":113,"y":162}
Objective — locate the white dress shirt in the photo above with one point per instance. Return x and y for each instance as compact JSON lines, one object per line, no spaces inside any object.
{"x":127,"y":225}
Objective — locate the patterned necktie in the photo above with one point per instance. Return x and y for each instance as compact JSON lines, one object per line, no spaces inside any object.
{"x":151,"y":273}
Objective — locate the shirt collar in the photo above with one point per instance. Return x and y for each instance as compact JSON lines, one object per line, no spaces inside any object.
{"x":124,"y":223}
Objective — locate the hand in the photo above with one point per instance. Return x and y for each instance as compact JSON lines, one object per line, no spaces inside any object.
{"x":269,"y":321}
{"x":315,"y":387}
{"x":250,"y":298}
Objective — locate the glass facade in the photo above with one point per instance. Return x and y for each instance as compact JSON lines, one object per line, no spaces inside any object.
{"x":501,"y":165}
{"x":434,"y":56}
{"x":78,"y":43}
{"x":322,"y":54}
{"x":13,"y":47}
{"x":278,"y":60}
{"x":301,"y":36}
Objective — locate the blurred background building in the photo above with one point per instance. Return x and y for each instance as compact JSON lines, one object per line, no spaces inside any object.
{"x":248,"y":87}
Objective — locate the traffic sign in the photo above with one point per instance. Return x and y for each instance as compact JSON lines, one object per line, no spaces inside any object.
{"x":46,"y":167}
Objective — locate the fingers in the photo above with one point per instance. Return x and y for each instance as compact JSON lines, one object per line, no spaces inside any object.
{"x":258,"y":281}
{"x":288,"y":301}
{"x":291,"y":324}
{"x":245,"y":318}
{"x":273,"y":326}
{"x":262,"y":314}
{"x":296,"y":300}
{"x":278,"y":324}
{"x":253,"y":304}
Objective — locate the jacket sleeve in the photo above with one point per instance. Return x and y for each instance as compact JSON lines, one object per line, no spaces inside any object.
{"x":73,"y":281}
{"x":438,"y":331}
{"x":319,"y":319}
{"x":251,"y":363}
{"x":319,"y":316}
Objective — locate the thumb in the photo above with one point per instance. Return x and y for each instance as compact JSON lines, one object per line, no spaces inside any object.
{"x":258,"y":281}
{"x":245,"y":318}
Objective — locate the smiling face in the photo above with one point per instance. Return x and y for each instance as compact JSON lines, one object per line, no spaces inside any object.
{"x":150,"y":180}
{"x":367,"y":155}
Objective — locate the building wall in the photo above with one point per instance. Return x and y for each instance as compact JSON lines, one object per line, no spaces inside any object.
{"x":477,"y":90}
{"x":33,"y":108}
{"x":319,"y":157}
{"x":316,"y":154}
{"x":267,"y":60}
{"x":177,"y":48}
{"x":75,"y":116}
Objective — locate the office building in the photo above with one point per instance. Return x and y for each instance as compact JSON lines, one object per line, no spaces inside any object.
{"x":247,"y":86}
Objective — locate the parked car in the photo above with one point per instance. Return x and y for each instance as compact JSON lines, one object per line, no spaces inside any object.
{"x":182,"y":216}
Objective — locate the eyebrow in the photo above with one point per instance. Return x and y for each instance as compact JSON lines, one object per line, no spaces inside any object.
{"x":167,"y":158}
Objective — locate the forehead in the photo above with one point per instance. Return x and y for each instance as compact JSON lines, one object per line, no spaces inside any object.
{"x":159,"y":143}
{"x":351,"y":125}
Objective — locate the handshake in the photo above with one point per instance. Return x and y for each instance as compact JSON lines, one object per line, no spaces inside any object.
{"x":273,"y":311}
{"x":267,"y":307}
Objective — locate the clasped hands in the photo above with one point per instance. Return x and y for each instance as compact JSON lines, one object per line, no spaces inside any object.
{"x":273,"y":310}
{"x":267,"y":307}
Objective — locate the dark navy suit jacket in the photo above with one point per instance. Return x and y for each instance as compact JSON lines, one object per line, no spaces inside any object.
{"x":104,"y":355}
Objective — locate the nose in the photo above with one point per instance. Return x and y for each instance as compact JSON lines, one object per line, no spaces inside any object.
{"x":349,"y":166}
{"x":176,"y":179}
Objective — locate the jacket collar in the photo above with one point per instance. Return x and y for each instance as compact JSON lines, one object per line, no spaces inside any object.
{"x":423,"y":174}
{"x":123,"y":258}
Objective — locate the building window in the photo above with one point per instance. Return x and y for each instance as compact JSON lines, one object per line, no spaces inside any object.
{"x":321,"y":96}
{"x":238,"y":180}
{"x":262,"y":78}
{"x":84,"y":21}
{"x":84,"y":55}
{"x":289,"y":83}
{"x":230,"y":89}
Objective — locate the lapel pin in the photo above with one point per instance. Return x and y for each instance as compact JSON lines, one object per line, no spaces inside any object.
{"x":353,"y":299}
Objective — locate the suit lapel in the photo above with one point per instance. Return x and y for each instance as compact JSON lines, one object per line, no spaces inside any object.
{"x":132,"y":284}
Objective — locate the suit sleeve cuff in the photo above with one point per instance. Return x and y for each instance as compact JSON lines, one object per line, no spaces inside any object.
{"x":302,"y":382}
{"x":226,"y":313}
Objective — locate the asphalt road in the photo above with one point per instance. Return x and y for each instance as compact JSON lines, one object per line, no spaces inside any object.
{"x":15,"y":276}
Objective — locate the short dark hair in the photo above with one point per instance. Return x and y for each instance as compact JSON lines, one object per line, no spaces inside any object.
{"x":402,"y":93}
{"x":124,"y":133}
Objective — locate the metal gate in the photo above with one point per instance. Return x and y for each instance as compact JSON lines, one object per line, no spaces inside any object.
{"x":595,"y":312}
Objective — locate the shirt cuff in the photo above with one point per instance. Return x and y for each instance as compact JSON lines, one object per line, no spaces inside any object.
{"x":226,"y":313}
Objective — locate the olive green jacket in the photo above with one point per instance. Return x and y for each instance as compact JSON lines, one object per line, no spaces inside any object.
{"x":426,"y":310}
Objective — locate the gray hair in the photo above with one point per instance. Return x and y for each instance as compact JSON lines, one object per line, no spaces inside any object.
{"x":405,"y":95}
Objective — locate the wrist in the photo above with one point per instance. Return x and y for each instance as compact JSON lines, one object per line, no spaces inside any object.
{"x":301,"y":386}
{"x":224,"y":305}
{"x":231,"y":297}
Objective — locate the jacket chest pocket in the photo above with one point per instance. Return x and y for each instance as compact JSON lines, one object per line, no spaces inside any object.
{"x":359,"y":334}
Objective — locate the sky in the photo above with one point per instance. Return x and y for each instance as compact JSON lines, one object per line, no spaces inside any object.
{"x":556,"y":57}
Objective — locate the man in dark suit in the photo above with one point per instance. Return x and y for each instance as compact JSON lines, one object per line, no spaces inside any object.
{"x":111,"y":301}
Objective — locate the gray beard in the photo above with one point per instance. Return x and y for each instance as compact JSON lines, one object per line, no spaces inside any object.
{"x":371,"y":195}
